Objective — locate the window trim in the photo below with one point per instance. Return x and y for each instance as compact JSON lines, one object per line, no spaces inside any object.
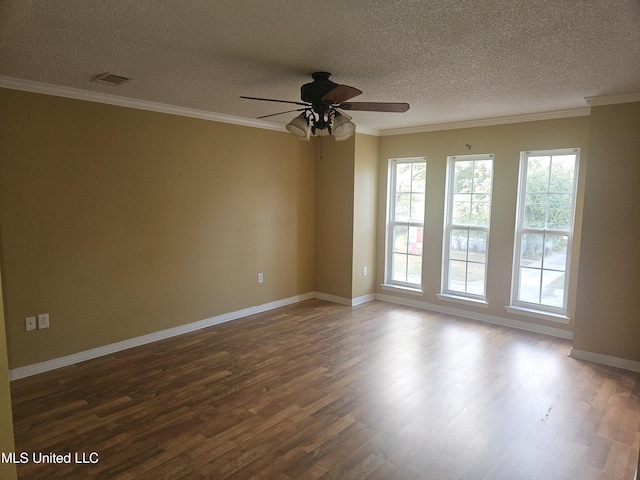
{"x":446,"y":293}
{"x":390,"y":223}
{"x":538,"y":310}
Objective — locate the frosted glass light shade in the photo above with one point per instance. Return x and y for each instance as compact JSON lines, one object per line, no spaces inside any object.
{"x":342,"y":128}
{"x":299,"y":127}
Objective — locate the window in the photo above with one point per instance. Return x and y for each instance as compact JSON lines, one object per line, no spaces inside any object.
{"x":544,"y":230}
{"x":466,"y":230}
{"x":405,"y":206}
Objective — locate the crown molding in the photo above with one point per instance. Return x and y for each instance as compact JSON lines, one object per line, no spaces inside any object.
{"x":487,"y":122}
{"x":89,"y":96}
{"x":601,"y":100}
{"x":98,"y":97}
{"x":368,"y":131}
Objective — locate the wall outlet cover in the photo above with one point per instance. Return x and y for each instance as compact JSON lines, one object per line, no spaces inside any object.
{"x":30,"y":323}
{"x":43,"y":320}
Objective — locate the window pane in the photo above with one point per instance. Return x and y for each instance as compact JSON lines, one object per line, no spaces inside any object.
{"x":399,"y":268}
{"x":529,"y":285}
{"x":415,"y":240}
{"x":535,"y":199}
{"x":559,"y":211}
{"x":535,"y":210}
{"x":555,"y":252}
{"x":481,"y":212}
{"x":414,"y":268}
{"x":457,"y":276}
{"x":400,"y":239}
{"x":538,"y":174}
{"x":461,"y":213}
{"x":402,"y":207}
{"x":417,"y":207}
{"x":531,"y":250}
{"x":463,"y":177}
{"x":480,"y":198}
{"x":475,"y":278}
{"x":403,"y":177}
{"x":482,"y":176}
{"x":477,"y":246}
{"x":458,"y":242}
{"x":562,"y":173}
{"x":560,"y":199}
{"x":419,"y":177}
{"x":552,"y":288}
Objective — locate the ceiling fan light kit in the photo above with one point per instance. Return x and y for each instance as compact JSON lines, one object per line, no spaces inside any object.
{"x":342,"y":128}
{"x":323,"y":103}
{"x":299,"y":127}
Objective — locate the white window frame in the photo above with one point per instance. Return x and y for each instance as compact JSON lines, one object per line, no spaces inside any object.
{"x":392,"y":223}
{"x":449,"y":226}
{"x":540,"y":310}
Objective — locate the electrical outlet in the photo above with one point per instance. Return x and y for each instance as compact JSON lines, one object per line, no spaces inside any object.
{"x":365,"y":271}
{"x":43,"y":320}
{"x":260,"y":278}
{"x":30,"y":323}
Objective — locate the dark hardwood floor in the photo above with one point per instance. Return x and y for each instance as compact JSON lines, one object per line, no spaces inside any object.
{"x":323,"y":391}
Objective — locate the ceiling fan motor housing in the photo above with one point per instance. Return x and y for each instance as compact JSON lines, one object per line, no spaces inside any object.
{"x":314,"y":91}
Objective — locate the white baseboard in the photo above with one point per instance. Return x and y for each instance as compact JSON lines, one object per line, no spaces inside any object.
{"x":29,"y":370}
{"x":363,"y":299}
{"x":530,"y":327}
{"x":34,"y":369}
{"x":482,"y":317}
{"x":351,"y":302}
{"x":605,"y":360}
{"x":333,"y":298}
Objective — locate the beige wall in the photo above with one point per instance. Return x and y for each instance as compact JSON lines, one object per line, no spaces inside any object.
{"x":365,"y":214}
{"x":7,"y":470}
{"x":346,"y":215}
{"x":608,"y":310}
{"x":121,"y":222}
{"x":334,"y":216}
{"x":506,"y":142}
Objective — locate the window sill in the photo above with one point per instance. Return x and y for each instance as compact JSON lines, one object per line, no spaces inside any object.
{"x":472,"y":302}
{"x":539,"y":314}
{"x":399,"y":289}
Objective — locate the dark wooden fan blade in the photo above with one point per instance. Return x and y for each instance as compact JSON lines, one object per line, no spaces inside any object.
{"x":280,"y":113}
{"x":272,"y":100}
{"x":341,"y":93}
{"x":375,"y":106}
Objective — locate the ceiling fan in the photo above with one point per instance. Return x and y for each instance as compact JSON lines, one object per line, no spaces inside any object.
{"x":323,"y":107}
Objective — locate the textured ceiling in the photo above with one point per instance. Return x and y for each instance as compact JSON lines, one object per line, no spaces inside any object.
{"x":452,"y":60}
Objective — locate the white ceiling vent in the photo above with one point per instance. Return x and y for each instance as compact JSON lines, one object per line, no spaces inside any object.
{"x":110,"y":79}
